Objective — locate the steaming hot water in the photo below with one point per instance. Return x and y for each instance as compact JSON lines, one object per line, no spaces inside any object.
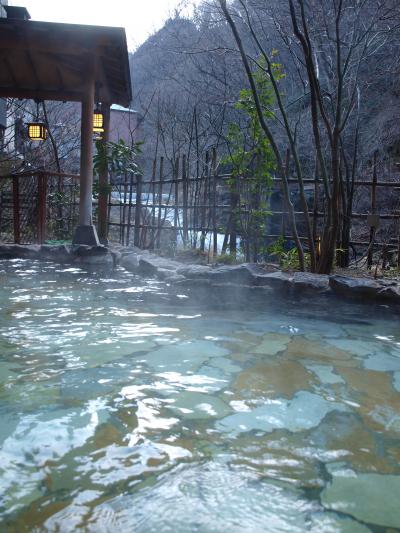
{"x":128,"y":405}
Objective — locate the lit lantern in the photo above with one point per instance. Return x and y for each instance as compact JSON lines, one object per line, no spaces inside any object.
{"x":318,"y":246}
{"x":98,"y":121}
{"x":37,"y":131}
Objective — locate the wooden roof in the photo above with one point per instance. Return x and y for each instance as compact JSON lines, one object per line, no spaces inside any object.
{"x":51,"y":61}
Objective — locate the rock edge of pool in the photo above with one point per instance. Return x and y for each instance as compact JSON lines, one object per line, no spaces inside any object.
{"x":247,"y":276}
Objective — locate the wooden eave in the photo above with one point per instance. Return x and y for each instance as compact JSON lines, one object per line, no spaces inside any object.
{"x":50,"y":61}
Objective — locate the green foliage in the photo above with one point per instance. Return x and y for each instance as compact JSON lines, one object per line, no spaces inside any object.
{"x":391,"y":273}
{"x":251,"y":156}
{"x":249,"y":149}
{"x":277,"y":248}
{"x":288,"y":259}
{"x":116,"y":157}
{"x":226,"y":259}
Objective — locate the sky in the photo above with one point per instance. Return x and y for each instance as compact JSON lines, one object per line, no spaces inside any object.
{"x":140,"y":18}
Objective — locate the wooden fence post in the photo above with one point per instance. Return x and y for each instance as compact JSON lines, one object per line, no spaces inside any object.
{"x":128,"y":230}
{"x":176,"y":180}
{"x":123,"y":222}
{"x":373,"y":211}
{"x":138,"y":210}
{"x":234,"y":205}
{"x":160,"y":192}
{"x":42,"y":193}
{"x":16,"y":211}
{"x":153,"y":207}
{"x":203,"y":207}
{"x":214,"y":200}
{"x":185,"y":202}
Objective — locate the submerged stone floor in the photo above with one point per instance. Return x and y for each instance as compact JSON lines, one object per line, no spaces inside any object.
{"x":210,"y":420}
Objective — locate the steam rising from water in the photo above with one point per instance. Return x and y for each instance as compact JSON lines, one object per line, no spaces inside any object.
{"x":125,"y":405}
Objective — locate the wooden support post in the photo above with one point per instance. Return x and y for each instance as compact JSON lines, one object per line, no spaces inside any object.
{"x":42,"y":197}
{"x":104,"y":192}
{"x":86,"y":233}
{"x":16,"y":211}
{"x":185,"y":202}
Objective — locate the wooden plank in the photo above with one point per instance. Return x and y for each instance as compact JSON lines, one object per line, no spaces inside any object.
{"x":41,"y":94}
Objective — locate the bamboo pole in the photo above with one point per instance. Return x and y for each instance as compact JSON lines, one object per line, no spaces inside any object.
{"x":185,"y":202}
{"x":160,"y":191}
{"x":153,"y":207}
{"x":214,"y":199}
{"x":138,"y":210}
{"x":16,"y":211}
{"x":373,"y":211}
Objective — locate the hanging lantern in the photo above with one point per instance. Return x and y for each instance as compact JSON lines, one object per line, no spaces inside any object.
{"x":98,"y":121}
{"x":318,"y":246}
{"x":37,"y":131}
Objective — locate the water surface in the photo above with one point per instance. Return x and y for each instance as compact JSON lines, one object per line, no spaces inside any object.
{"x":126,"y":403}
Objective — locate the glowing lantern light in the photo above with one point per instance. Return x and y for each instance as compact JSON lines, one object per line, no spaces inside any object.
{"x":37,"y":131}
{"x":98,"y":121}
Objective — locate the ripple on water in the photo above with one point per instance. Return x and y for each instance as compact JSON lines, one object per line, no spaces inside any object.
{"x":127,"y":407}
{"x":211,"y":497}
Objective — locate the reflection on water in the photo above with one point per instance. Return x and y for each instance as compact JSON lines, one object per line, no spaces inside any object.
{"x":124,"y":404}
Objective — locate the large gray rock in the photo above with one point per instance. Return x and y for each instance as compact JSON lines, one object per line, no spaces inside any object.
{"x":16,"y":251}
{"x":173,"y":277}
{"x":195,"y":271}
{"x":103,"y":261}
{"x":150,"y":264}
{"x":83,"y":250}
{"x":306,"y":281}
{"x":117,"y":256}
{"x":365,"y":288}
{"x":164,"y":273}
{"x":391,"y":292}
{"x":130,"y":262}
{"x":277,"y":280}
{"x":58,"y":253}
{"x":239,"y":274}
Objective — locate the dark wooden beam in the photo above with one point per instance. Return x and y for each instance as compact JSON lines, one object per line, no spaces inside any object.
{"x":10,"y":70}
{"x":32,"y":65}
{"x":42,"y":94}
{"x":12,"y":39}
